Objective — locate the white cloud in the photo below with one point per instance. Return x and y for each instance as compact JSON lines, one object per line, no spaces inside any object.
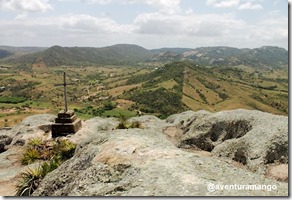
{"x":87,"y":23}
{"x":250,"y":6}
{"x":103,"y":2}
{"x":207,"y":25}
{"x":25,"y":5}
{"x":272,"y":31}
{"x":165,"y":6}
{"x":246,"y":5}
{"x":223,"y":3}
{"x":171,"y":25}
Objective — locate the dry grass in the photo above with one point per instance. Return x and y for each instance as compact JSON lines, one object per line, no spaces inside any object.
{"x":168,"y":84}
{"x":119,"y":90}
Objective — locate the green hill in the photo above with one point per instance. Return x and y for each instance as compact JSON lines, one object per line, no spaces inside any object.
{"x":266,"y":57}
{"x":262,"y":58}
{"x":185,"y":85}
{"x":122,"y":54}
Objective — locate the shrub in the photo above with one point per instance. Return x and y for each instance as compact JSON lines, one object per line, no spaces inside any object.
{"x":125,"y":124}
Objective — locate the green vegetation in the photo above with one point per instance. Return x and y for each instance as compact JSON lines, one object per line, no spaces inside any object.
{"x":116,"y":112}
{"x":31,"y":178}
{"x":13,"y":100}
{"x":125,"y":124}
{"x":30,"y":156}
{"x":51,"y":153}
{"x":63,"y":149}
{"x":160,"y":101}
{"x":173,"y":71}
{"x":36,"y":149}
{"x":148,"y":88}
{"x":108,"y":109}
{"x":122,"y":54}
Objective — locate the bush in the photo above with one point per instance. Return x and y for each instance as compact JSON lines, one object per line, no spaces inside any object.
{"x":125,"y":124}
{"x":109,"y":106}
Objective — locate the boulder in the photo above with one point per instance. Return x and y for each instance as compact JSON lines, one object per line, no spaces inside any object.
{"x":253,"y":138}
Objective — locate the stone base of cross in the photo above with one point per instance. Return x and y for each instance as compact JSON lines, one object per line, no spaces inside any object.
{"x":66,"y":122}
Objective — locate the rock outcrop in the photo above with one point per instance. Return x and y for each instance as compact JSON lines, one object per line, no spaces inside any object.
{"x":184,"y":155}
{"x":252,"y":138}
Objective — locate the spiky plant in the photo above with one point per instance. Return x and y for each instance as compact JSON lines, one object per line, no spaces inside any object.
{"x":35,"y":143}
{"x":29,"y":181}
{"x":30,"y":156}
{"x":64,"y":149}
{"x":124,"y":124}
{"x":55,"y":154}
{"x":31,"y":178}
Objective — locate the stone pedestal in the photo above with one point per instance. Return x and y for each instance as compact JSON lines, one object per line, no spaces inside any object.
{"x":66,"y":123}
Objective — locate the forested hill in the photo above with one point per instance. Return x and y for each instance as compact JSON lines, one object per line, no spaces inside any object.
{"x":122,"y":54}
{"x":266,"y":57}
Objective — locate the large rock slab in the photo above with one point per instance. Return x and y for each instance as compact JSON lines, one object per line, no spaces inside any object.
{"x":246,"y":148}
{"x":143,"y":162}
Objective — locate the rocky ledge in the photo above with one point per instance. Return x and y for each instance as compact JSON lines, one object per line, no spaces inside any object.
{"x":187,"y":154}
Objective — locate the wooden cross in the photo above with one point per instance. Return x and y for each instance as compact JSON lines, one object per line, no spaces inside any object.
{"x":65,"y":92}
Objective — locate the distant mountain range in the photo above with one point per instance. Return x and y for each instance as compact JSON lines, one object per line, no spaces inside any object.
{"x":8,"y":51}
{"x":267,"y":57}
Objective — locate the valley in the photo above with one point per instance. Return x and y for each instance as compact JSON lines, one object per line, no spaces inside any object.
{"x":113,"y":90}
{"x":158,"y":85}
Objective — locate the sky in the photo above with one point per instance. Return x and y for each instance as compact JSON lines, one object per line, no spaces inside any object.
{"x":148,"y":23}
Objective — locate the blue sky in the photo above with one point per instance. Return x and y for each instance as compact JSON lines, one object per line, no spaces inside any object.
{"x":148,"y":23}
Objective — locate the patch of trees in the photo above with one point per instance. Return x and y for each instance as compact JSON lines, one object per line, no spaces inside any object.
{"x":173,"y":71}
{"x":12,"y":99}
{"x":160,"y":101}
{"x":96,"y":111}
{"x":265,"y":99}
{"x":234,"y":72}
{"x":273,"y":87}
{"x":202,"y":96}
{"x":223,"y":96}
{"x":208,"y":84}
